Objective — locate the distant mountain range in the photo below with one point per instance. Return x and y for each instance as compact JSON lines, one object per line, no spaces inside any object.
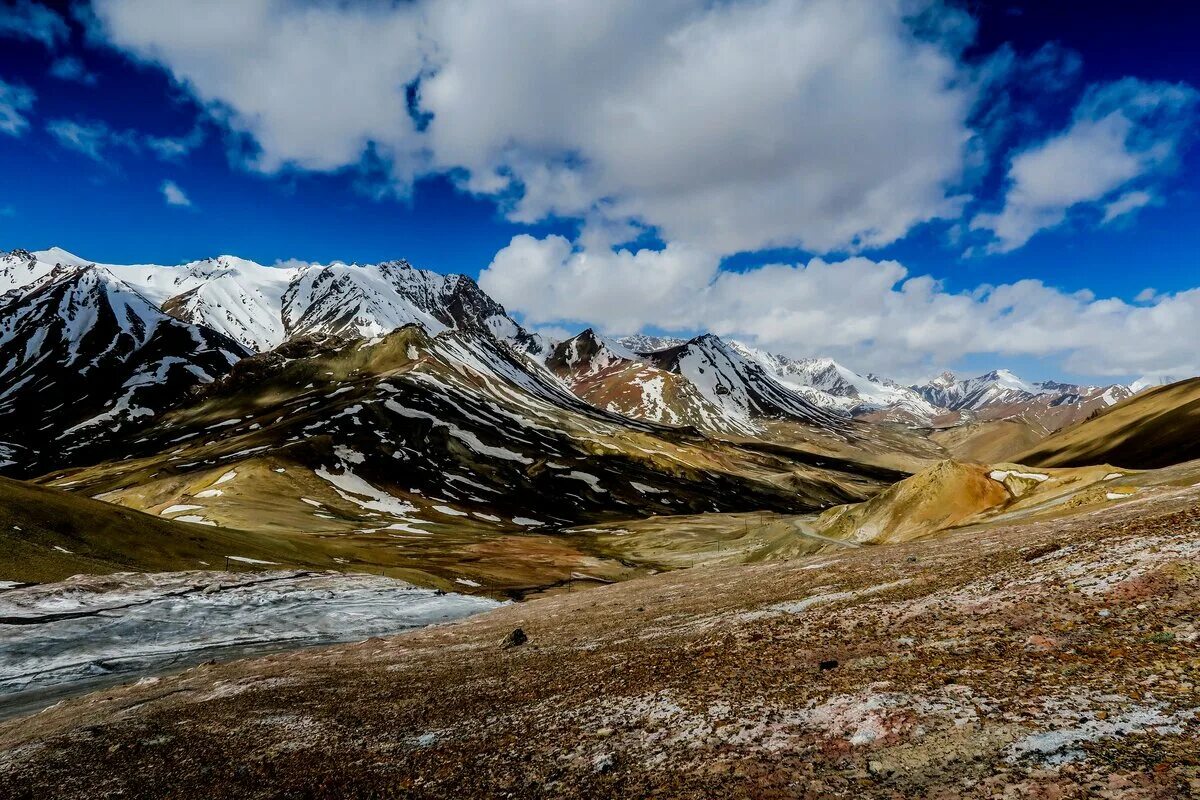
{"x":92,"y":351}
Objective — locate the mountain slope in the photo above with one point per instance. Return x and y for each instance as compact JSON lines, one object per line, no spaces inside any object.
{"x":48,"y":534}
{"x":828,"y":384}
{"x":83,"y":357}
{"x":1048,"y":405}
{"x":427,"y":451}
{"x":260,"y":307}
{"x":740,"y":393}
{"x":1155,"y":428}
{"x":609,"y":376}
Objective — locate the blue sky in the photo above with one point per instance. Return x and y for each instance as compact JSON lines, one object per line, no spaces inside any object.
{"x":1027,"y":125}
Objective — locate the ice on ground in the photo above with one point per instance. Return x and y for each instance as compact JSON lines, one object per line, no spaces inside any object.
{"x":450,"y":512}
{"x":177,"y":509}
{"x":527,"y":522}
{"x":247,"y":560}
{"x":466,"y":582}
{"x":95,"y":629}
{"x":1001,"y":474}
{"x":210,"y":493}
{"x":195,"y":519}
{"x":351,"y":487}
{"x":228,"y":476}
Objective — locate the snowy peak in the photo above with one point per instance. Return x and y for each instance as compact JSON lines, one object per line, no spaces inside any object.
{"x":828,"y":384}
{"x":743,"y":390}
{"x":82,"y":352}
{"x":645,"y":343}
{"x":260,"y":306}
{"x":1150,"y":381}
{"x":588,"y":354}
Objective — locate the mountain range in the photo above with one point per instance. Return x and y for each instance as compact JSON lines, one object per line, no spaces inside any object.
{"x":94,"y":351}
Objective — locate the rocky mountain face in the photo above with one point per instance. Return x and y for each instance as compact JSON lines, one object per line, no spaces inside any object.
{"x":702,"y":383}
{"x":1049,"y":405}
{"x":414,"y":436}
{"x":84,"y":357}
{"x":828,"y":384}
{"x":260,"y":306}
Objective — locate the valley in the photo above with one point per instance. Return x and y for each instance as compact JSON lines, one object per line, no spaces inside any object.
{"x":269,"y":459}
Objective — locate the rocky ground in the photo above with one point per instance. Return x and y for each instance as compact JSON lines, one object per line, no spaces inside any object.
{"x":1055,"y":659}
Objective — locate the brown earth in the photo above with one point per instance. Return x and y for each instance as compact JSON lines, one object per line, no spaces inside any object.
{"x":1054,"y":659}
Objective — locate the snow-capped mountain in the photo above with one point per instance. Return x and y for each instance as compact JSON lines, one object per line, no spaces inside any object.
{"x":703,"y":382}
{"x":741,"y":389}
{"x":1150,"y":381}
{"x":828,"y":384}
{"x":611,"y":376}
{"x":999,"y":386}
{"x":261,"y":306}
{"x":82,"y":352}
{"x":1000,"y":394}
{"x":645,"y":343}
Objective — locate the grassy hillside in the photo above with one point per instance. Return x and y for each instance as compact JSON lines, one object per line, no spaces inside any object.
{"x":1156,"y":428}
{"x":47,"y":535}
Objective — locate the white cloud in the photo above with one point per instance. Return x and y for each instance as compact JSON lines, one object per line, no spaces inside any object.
{"x":313,"y":84}
{"x":174,"y":195}
{"x":24,"y":19}
{"x":70,"y":68}
{"x":95,"y":139}
{"x":173,"y":148}
{"x":1126,"y":204}
{"x":873,"y":315}
{"x":91,"y":138}
{"x":829,"y":124}
{"x":1121,"y":133}
{"x":15,"y":100}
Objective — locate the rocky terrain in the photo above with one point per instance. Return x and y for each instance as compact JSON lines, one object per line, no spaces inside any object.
{"x":1054,"y":659}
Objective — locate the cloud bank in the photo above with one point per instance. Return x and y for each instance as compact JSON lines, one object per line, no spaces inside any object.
{"x":872,"y":314}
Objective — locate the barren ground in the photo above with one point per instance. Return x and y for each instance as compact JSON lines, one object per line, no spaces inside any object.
{"x":1053,"y":659}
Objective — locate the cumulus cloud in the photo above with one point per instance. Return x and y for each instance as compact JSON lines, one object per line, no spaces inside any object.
{"x":829,"y":124}
{"x":174,"y":195}
{"x":872,"y":314}
{"x":312,"y":84}
{"x":15,"y":100}
{"x":1121,"y":134}
{"x":24,"y":19}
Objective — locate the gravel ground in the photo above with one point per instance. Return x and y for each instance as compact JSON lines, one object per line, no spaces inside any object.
{"x":1048,"y":660}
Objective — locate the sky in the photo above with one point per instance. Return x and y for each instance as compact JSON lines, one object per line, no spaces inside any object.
{"x":904,"y":185}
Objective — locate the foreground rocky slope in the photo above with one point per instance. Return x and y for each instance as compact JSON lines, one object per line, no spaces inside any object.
{"x":1054,"y":659}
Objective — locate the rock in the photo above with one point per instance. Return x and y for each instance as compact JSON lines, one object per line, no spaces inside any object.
{"x":514,"y":639}
{"x":604,"y":733}
{"x":603,"y":762}
{"x":1040,"y":644}
{"x":827,"y":665}
{"x":875,"y":767}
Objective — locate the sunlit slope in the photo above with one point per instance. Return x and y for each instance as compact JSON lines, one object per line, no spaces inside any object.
{"x":47,"y":534}
{"x":1155,"y":428}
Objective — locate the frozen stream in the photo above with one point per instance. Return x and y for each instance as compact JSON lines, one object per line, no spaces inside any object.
{"x":59,"y":639}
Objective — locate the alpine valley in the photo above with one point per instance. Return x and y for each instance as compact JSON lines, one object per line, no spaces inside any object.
{"x":221,"y":459}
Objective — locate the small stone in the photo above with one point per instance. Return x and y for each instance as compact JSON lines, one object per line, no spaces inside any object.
{"x":827,"y":665}
{"x":604,"y":733}
{"x":514,"y":639}
{"x":875,"y":767}
{"x":603,"y":762}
